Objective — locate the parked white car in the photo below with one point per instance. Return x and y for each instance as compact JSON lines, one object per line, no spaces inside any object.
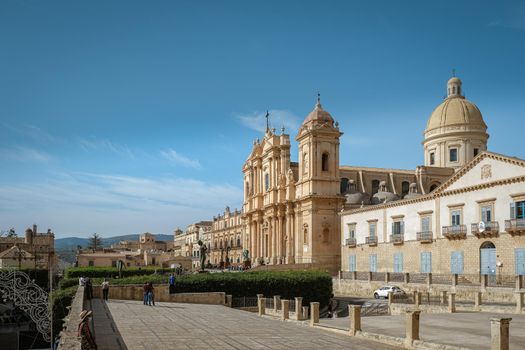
{"x":383,"y":292}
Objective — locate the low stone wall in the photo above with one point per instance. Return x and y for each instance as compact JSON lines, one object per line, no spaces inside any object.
{"x":161,"y":293}
{"x":358,"y":288}
{"x":68,"y":336}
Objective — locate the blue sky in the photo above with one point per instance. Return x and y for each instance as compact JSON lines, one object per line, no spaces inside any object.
{"x":121,"y":117}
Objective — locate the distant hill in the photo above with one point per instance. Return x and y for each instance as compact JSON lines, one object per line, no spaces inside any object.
{"x":71,"y":243}
{"x":66,"y":247}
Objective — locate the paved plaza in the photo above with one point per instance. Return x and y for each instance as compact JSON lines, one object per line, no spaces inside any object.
{"x":466,"y":329}
{"x":125,"y":324}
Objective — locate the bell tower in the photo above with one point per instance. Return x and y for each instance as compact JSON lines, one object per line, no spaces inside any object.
{"x":318,"y":189}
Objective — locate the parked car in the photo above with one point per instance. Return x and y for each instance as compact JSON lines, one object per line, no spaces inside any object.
{"x":383,"y":292}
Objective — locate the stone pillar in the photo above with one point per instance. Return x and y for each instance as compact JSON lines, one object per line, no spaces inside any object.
{"x":260,"y":305}
{"x":276,"y":302}
{"x":452,"y":302}
{"x":454,"y":280}
{"x":406,"y":278}
{"x":519,"y":302}
{"x":411,"y":326}
{"x":429,"y":280}
{"x":483,"y":282}
{"x":314,"y":313}
{"x":354,"y":275}
{"x":519,"y":282}
{"x":387,"y":277}
{"x":499,"y":333}
{"x":229,"y":300}
{"x":390,"y":298}
{"x":369,"y":276}
{"x":304,"y":314}
{"x":298,"y":307}
{"x":285,"y":309}
{"x":355,"y":319}
{"x":477,"y":300}
{"x":417,"y":298}
{"x":443,"y":299}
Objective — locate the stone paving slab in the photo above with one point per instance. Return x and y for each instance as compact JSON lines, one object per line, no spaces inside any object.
{"x":466,"y":329}
{"x":204,"y":327}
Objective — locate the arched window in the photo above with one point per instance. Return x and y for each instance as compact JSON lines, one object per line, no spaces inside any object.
{"x":375,"y":186}
{"x":434,"y":186}
{"x":324,"y":162}
{"x":305,"y":163}
{"x":305,"y":235}
{"x":405,"y":188}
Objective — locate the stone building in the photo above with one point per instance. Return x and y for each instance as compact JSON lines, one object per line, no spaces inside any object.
{"x":185,"y":243}
{"x":35,"y":249}
{"x":227,"y":239}
{"x":290,"y":210}
{"x":473,"y":222}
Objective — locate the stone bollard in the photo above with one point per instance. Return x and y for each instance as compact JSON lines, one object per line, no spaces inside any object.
{"x":298,"y":307}
{"x":354,"y":275}
{"x":261,"y":305}
{"x":276,"y":302}
{"x":454,"y":280}
{"x":390,"y":298}
{"x":519,"y":282}
{"x":429,"y":280}
{"x":519,"y":302}
{"x":229,"y":300}
{"x":387,"y":277}
{"x":369,"y":276}
{"x":406,"y":278}
{"x":417,"y":300}
{"x":314,"y":314}
{"x":499,"y":333}
{"x":483,"y":283}
{"x":477,"y":301}
{"x":452,"y":302}
{"x":443,"y":299}
{"x":285,"y":309}
{"x":411,"y":327}
{"x":355,"y":319}
{"x":304,"y":314}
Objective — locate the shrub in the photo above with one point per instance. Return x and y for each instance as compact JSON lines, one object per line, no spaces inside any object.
{"x":60,"y":300}
{"x":111,"y":272}
{"x":311,"y":285}
{"x":67,"y":282}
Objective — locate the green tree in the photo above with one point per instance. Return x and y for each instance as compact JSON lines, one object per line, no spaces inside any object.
{"x":11,"y":233}
{"x":95,"y":242}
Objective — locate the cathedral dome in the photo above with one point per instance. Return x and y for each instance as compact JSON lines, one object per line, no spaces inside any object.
{"x":319,"y":115}
{"x":456,"y":111}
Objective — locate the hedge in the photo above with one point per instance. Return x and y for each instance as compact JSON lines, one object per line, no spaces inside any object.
{"x":311,"y":285}
{"x":109,"y":272}
{"x":96,"y":281}
{"x":61,"y":299}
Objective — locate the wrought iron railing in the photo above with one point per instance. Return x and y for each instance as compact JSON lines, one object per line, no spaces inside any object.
{"x":371,"y":240}
{"x":455,"y":231}
{"x":515,"y":225}
{"x":397,"y":238}
{"x":489,"y":229}
{"x":350,"y":242}
{"x":244,"y":302}
{"x":424,"y":236}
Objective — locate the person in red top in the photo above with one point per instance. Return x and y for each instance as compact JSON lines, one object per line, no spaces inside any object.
{"x":146,"y":289}
{"x":84,"y":333}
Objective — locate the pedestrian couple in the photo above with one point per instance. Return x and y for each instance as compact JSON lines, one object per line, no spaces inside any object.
{"x":149,"y":295}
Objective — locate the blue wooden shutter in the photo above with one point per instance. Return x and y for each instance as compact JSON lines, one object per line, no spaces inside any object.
{"x":513,"y":210}
{"x":456,"y":262}
{"x":402,"y":227}
{"x":373,"y":263}
{"x":426,"y":262}
{"x":398,"y":262}
{"x":519,"y":256}
{"x":393,"y":229}
{"x":351,"y":263}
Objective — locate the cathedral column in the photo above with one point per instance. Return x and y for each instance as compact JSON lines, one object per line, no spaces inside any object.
{"x":275,"y":228}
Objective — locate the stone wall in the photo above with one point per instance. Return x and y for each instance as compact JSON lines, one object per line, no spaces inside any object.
{"x":68,"y":336}
{"x":161,"y":294}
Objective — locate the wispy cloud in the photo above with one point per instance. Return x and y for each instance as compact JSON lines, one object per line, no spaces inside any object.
{"x":278,"y":118}
{"x":24,"y":154}
{"x":174,"y":156}
{"x":104,"y":145}
{"x":81,"y":203}
{"x":33,"y":132}
{"x":513,"y":17}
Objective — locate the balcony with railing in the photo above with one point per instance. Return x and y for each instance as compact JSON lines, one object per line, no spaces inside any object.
{"x":485,"y":230}
{"x":350,"y":242}
{"x":515,"y":226}
{"x":425,"y":236}
{"x":455,"y":231}
{"x":371,"y":240}
{"x":397,"y":238}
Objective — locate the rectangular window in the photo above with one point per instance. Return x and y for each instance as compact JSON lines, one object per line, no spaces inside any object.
{"x":372,"y":229}
{"x":426,"y":262}
{"x":266,"y":181}
{"x":425,"y":224}
{"x":486,"y":213}
{"x":456,"y":217}
{"x":517,"y":210}
{"x":398,"y":262}
{"x":373,"y":262}
{"x":453,"y":154}
{"x":476,"y":151}
{"x":351,"y":263}
{"x":351,"y":230}
{"x":456,"y":262}
{"x":397,"y":228}
{"x":432,"y":158}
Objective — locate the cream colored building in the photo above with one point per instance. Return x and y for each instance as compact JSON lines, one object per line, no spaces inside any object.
{"x":38,"y":248}
{"x":472,"y":223}
{"x":185,"y":243}
{"x":227,"y":239}
{"x":291,"y":209}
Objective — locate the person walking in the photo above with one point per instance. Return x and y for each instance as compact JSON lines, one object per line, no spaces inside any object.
{"x":151,"y":294}
{"x":88,"y":288}
{"x":84,"y":332}
{"x":145,"y":289}
{"x":105,"y":289}
{"x":171,"y":282}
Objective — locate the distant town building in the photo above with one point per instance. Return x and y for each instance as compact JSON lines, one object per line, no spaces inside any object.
{"x":36,"y":250}
{"x":185,"y":243}
{"x":227,"y":239}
